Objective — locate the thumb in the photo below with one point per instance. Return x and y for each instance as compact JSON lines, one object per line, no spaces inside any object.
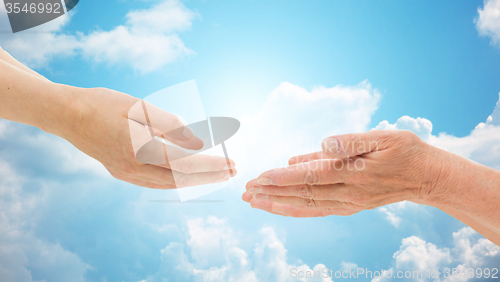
{"x":164,"y":124}
{"x":355,"y":144}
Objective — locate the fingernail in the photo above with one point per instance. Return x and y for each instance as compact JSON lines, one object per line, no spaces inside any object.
{"x":277,"y":209}
{"x":332,"y":145}
{"x":187,"y":133}
{"x":261,"y":197}
{"x":255,"y":190}
{"x":265,"y":181}
{"x":227,"y":175}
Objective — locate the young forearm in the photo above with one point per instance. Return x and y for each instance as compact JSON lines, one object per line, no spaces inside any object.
{"x":33,"y":100}
{"x":6,"y":57}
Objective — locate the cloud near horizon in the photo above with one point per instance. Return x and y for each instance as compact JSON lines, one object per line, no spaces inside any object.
{"x":469,"y":251}
{"x":213,"y":252}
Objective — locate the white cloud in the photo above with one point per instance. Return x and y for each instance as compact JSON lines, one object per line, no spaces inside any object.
{"x":23,"y":256}
{"x":488,"y":21}
{"x":418,"y":257}
{"x":39,"y":45}
{"x":165,"y":17}
{"x":223,"y":259}
{"x":292,"y":116}
{"x":55,"y":156}
{"x":294,"y":121}
{"x":147,"y":41}
{"x":347,"y":266}
{"x":391,"y":216}
{"x":420,"y":126}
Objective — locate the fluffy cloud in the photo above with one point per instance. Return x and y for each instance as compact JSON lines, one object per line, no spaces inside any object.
{"x":417,"y":256}
{"x":390,"y":215}
{"x":210,"y":249}
{"x":295,"y":120}
{"x":147,"y":41}
{"x":62,"y":184}
{"x":39,"y":45}
{"x":420,"y":126}
{"x":54,"y":156}
{"x":23,"y":256}
{"x":218,"y":256}
{"x":488,"y":21}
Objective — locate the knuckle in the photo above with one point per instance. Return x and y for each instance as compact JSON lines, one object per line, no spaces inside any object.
{"x":312,"y":176}
{"x":311,"y":203}
{"x":185,"y":166}
{"x":130,"y":170}
{"x":386,"y":135}
{"x":305,"y":191}
{"x":359,"y":199}
{"x":181,"y":181}
{"x":406,"y":136}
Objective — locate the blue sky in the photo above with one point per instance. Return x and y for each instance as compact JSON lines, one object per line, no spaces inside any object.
{"x":426,"y":57}
{"x":65,"y":219}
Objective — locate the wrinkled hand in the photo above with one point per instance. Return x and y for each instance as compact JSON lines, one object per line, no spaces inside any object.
{"x":354,"y":172}
{"x":103,"y":124}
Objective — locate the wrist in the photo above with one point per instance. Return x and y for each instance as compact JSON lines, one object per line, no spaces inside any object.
{"x":61,"y":110}
{"x":456,"y":182}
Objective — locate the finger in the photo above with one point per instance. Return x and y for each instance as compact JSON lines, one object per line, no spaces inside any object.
{"x":195,"y":179}
{"x":156,"y":152}
{"x":349,"y":145}
{"x":287,"y":210}
{"x":143,"y":183}
{"x":247,"y":197}
{"x":178,"y":179}
{"x":308,"y":158}
{"x":303,"y":203}
{"x":182,"y":161}
{"x":338,"y":192}
{"x":194,"y":143}
{"x":318,"y":172}
{"x":154,"y":174}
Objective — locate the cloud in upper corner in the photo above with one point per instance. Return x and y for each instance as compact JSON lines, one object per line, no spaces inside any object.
{"x":40,"y":44}
{"x":147,"y":41}
{"x":488,"y":21}
{"x":417,"y":257}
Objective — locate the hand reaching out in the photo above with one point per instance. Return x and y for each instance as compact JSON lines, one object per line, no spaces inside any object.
{"x":107,"y":121}
{"x":99,"y":122}
{"x":354,"y":172}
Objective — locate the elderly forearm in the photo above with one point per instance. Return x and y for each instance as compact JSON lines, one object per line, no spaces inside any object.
{"x":474,"y":224}
{"x":470,"y":188}
{"x":33,"y":100}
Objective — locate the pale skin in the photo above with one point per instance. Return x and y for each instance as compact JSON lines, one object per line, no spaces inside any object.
{"x":398,"y":166}
{"x":97,"y":122}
